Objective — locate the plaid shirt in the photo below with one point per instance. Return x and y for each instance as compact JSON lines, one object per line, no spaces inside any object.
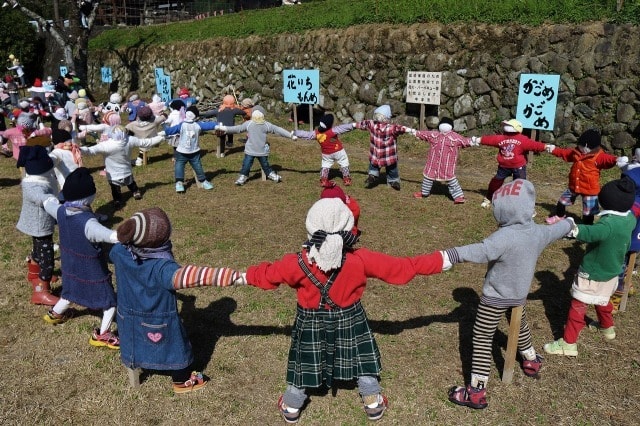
{"x":443,"y":153}
{"x":382,"y":141}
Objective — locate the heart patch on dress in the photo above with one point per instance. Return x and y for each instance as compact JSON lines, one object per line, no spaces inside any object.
{"x":154,"y":337}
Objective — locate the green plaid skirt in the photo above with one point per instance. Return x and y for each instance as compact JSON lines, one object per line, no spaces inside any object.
{"x":327,"y":345}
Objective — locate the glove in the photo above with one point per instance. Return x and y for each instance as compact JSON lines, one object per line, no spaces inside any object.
{"x":622,"y":161}
{"x":475,"y":140}
{"x":446,"y":263}
{"x":242,"y":280}
{"x":82,"y":127}
{"x":162,"y":133}
{"x":221,"y":127}
{"x":574,"y":228}
{"x":549,"y":148}
{"x":293,"y":136}
{"x":157,"y":139}
{"x":354,"y":125}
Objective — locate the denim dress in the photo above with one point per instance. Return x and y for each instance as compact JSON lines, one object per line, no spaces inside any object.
{"x":151,"y":333}
{"x":85,"y":274}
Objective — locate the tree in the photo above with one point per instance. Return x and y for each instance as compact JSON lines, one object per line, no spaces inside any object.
{"x":73,"y":40}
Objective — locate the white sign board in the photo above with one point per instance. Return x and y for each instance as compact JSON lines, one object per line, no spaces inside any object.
{"x":423,"y":87}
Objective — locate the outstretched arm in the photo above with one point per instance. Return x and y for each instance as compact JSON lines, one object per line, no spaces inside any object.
{"x":197,"y":276}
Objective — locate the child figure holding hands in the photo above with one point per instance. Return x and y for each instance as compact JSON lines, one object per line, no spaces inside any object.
{"x":331,"y":339}
{"x":442,"y":159}
{"x":151,"y":333}
{"x":511,"y":254}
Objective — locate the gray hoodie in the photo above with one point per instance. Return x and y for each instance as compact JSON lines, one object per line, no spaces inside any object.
{"x":512,"y":251}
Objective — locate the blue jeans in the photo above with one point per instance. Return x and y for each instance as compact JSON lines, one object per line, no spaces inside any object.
{"x":247,"y":162}
{"x":196,"y":164}
{"x":519,"y":173}
{"x":393,"y":175}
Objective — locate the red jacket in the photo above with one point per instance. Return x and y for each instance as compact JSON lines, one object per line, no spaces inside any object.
{"x":350,"y":283}
{"x":584,"y":176}
{"x":513,"y":148}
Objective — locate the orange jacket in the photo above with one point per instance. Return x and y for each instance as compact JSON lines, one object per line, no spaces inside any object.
{"x":584,"y":176}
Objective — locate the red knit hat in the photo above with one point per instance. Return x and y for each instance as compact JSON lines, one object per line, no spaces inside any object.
{"x":334,"y":192}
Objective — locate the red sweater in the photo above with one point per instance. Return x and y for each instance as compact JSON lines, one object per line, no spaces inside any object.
{"x":350,"y":283}
{"x":513,"y":148}
{"x":584,"y":176}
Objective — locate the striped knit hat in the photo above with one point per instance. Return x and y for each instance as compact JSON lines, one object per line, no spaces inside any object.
{"x":148,"y":228}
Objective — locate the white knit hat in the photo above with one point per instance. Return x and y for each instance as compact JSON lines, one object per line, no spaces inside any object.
{"x":330,"y":215}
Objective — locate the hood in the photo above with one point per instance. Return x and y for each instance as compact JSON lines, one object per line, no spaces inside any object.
{"x":514,"y":203}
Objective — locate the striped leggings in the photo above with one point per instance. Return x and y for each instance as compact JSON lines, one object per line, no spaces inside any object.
{"x":454,"y":187}
{"x":484,"y":328}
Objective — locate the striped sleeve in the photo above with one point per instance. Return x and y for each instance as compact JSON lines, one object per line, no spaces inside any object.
{"x":197,"y":276}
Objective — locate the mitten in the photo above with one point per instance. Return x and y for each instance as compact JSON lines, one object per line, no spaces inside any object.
{"x":162,"y":133}
{"x":221,"y":127}
{"x":475,"y":140}
{"x":549,"y":148}
{"x":242,"y":280}
{"x":622,"y":161}
{"x":574,"y":228}
{"x":446,"y":263}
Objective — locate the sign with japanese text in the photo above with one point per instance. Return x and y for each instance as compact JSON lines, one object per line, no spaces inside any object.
{"x":163,"y":85}
{"x":423,"y":87}
{"x":537,"y":100}
{"x":63,"y":70}
{"x":301,"y":86}
{"x":106,"y":75}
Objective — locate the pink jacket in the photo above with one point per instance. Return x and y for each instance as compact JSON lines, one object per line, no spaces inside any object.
{"x":17,"y":138}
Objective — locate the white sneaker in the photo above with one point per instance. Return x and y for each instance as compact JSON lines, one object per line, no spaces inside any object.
{"x":179,"y":187}
{"x":138,"y":162}
{"x":486,"y":203}
{"x":242,"y":179}
{"x":275,"y":177}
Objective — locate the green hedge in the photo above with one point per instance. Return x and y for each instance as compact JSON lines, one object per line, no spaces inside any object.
{"x":342,"y":13}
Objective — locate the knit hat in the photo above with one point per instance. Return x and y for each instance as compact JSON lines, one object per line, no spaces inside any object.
{"x":512,"y":126}
{"x":26,"y":120}
{"x":334,"y":191}
{"x":618,"y":195}
{"x":192,"y":113}
{"x":176,"y":104}
{"x":183,"y":93}
{"x":590,"y":138}
{"x":257,"y":117}
{"x":382,"y":113}
{"x":78,"y":185}
{"x":60,"y":114}
{"x":118,"y":133}
{"x":24,"y":104}
{"x":147,"y":228}
{"x":133,"y":97}
{"x":326,"y":122}
{"x":34,"y":159}
{"x":247,"y":103}
{"x":115,"y":98}
{"x":82,"y":93}
{"x":146,"y":114}
{"x":37,"y":83}
{"x":82,"y":106}
{"x":446,"y":125}
{"x":156,"y":98}
{"x":73,"y":95}
{"x":111,"y":118}
{"x":328,"y":222}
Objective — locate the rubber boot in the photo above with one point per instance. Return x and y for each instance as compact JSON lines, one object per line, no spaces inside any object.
{"x":42,"y":294}
{"x":33,"y":270}
{"x":33,"y":273}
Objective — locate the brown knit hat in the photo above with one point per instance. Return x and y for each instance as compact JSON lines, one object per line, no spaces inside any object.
{"x":147,"y":228}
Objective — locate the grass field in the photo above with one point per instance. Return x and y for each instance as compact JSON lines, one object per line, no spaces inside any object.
{"x":241,"y":335}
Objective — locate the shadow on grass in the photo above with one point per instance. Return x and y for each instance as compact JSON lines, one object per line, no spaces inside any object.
{"x":206,"y":326}
{"x":554,"y":291}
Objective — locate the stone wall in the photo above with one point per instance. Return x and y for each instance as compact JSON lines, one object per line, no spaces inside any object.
{"x":365,"y":66}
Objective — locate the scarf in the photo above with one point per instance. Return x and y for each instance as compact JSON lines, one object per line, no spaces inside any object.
{"x":142,"y":253}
